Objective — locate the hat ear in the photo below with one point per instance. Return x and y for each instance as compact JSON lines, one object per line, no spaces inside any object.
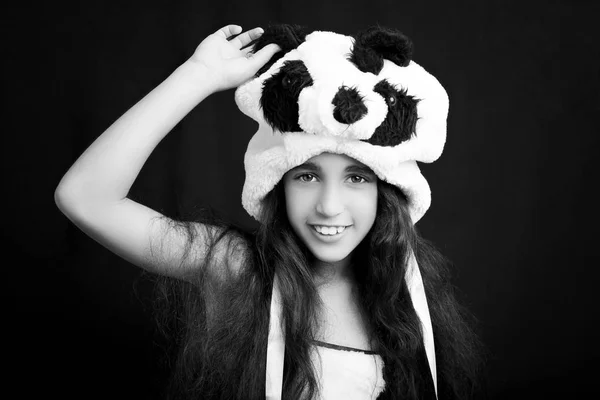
{"x":373,"y":45}
{"x":286,"y":36}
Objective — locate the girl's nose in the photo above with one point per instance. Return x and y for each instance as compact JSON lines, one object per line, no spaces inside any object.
{"x":330,"y":202}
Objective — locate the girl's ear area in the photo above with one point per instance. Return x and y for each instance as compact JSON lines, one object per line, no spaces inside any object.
{"x":374,"y":44}
{"x":286,"y":36}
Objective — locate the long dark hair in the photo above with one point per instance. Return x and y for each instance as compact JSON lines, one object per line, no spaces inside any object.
{"x":218,"y":318}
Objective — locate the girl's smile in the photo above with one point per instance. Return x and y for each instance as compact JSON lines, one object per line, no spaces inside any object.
{"x":329,"y":233}
{"x":331,"y":203}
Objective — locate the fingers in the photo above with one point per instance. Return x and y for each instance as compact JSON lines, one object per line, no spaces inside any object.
{"x":261,"y":57}
{"x":229,"y":30}
{"x":244,"y":39}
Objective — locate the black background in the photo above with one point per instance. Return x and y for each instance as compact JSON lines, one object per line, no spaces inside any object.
{"x":514,"y":194}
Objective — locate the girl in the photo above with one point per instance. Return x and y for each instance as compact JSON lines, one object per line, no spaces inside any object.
{"x":335,"y":295}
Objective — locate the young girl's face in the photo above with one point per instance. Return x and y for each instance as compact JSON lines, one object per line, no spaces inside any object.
{"x":331,"y":203}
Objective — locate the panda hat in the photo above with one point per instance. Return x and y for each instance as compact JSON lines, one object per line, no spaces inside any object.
{"x":361,"y":96}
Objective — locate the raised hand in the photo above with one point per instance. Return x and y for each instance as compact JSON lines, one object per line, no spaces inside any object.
{"x":226,"y":62}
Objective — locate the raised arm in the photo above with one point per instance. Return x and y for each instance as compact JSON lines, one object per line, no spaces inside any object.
{"x":93,"y":192}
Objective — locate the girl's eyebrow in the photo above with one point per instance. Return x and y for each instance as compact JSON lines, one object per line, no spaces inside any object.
{"x":355,"y":169}
{"x":309,"y":165}
{"x":360,"y":169}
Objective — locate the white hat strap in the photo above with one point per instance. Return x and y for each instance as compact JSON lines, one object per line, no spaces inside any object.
{"x":275,"y":347}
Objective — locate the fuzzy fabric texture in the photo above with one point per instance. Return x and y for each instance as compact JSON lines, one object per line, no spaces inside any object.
{"x":299,"y":102}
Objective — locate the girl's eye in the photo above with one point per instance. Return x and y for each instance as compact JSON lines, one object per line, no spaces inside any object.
{"x":306,"y":178}
{"x":357,"y":179}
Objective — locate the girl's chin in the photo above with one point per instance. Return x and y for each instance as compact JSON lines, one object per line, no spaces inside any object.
{"x":331,"y":260}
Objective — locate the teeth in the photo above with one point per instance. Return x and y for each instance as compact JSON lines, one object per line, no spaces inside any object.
{"x":329,"y":230}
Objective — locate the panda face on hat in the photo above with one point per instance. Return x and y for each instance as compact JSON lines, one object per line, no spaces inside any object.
{"x":330,"y":85}
{"x":358,"y":95}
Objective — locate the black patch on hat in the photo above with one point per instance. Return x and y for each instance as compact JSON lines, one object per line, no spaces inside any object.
{"x":375,"y":44}
{"x":286,"y":36}
{"x":280,"y":93}
{"x":348,"y":105}
{"x":401,"y":120}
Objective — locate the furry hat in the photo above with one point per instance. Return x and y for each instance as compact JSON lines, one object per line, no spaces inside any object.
{"x":362,"y":96}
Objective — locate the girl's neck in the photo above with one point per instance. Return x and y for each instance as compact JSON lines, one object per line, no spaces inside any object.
{"x":333,"y":273}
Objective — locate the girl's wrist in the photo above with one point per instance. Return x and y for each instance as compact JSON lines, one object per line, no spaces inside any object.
{"x":198,"y":76}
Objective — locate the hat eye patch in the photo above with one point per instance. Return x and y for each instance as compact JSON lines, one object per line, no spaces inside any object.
{"x":280,"y":94}
{"x":401,"y":120}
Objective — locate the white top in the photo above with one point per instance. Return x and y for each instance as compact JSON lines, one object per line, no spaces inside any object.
{"x":348,"y":374}
{"x":337,"y":369}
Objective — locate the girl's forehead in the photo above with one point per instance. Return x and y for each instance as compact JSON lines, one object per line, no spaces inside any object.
{"x":334,"y":159}
{"x":332,"y":163}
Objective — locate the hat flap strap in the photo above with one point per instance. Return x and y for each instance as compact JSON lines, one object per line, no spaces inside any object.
{"x":275,"y":347}
{"x":416,"y":288}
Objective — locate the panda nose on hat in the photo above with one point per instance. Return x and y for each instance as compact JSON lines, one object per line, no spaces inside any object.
{"x":349,"y":106}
